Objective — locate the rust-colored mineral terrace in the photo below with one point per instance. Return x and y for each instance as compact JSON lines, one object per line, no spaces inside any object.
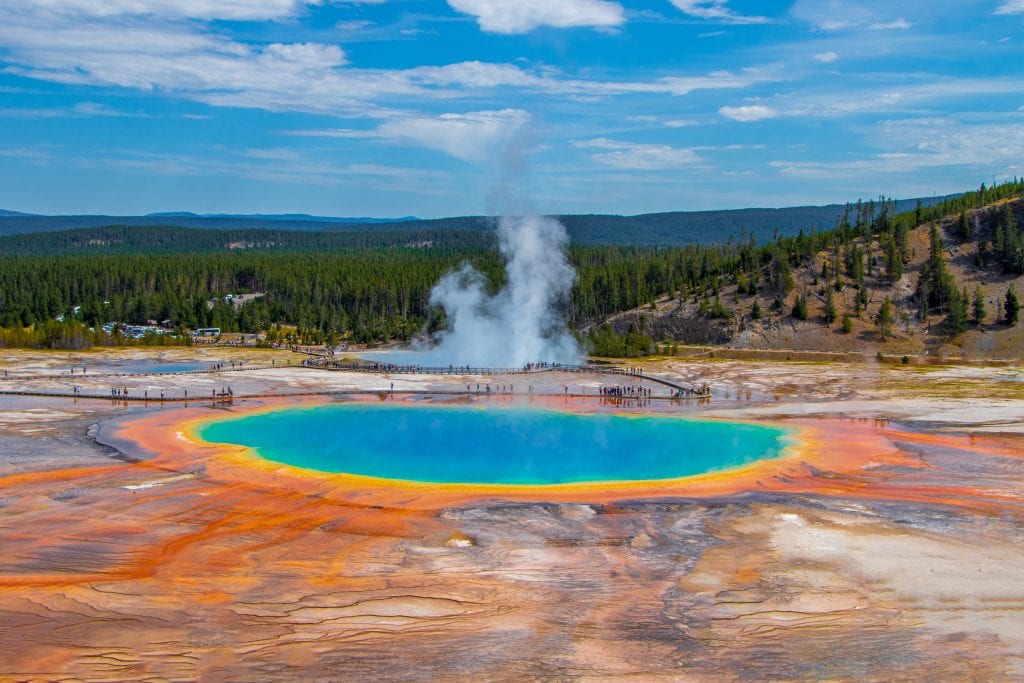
{"x":871,"y":550}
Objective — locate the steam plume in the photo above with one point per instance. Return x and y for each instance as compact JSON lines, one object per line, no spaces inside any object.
{"x":523,"y":322}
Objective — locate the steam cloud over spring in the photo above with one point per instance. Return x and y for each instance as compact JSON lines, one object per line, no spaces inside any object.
{"x":524,"y":322}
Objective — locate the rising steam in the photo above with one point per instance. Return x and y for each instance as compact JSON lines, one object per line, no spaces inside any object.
{"x":524,"y":322}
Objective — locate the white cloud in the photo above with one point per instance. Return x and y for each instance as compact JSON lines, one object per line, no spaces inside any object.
{"x":826,"y":57}
{"x":104,"y":44}
{"x":716,"y":10}
{"x":923,"y":143}
{"x":474,"y":75}
{"x":94,"y":109}
{"x":486,"y":75}
{"x":79,"y":111}
{"x":748,"y":113}
{"x":354,"y":26}
{"x":333,"y":133}
{"x":668,"y":123}
{"x":717,"y":80}
{"x":893,"y":98}
{"x":896,"y":24}
{"x":195,"y":9}
{"x":839,"y":15}
{"x":475,"y":136}
{"x":189,"y":59}
{"x":521,"y":16}
{"x":1011,"y":7}
{"x":33,"y":155}
{"x":637,"y":156}
{"x":827,"y":15}
{"x":180,"y":58}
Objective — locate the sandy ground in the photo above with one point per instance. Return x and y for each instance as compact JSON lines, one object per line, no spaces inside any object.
{"x":904,"y":566}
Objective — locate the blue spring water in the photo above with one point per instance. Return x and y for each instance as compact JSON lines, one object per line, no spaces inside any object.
{"x":141,"y":367}
{"x":472,"y":445}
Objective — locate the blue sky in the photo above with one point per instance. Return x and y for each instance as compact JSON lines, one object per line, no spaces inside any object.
{"x":433,"y":107}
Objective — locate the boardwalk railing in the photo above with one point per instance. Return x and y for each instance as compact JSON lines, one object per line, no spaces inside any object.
{"x":380,"y":368}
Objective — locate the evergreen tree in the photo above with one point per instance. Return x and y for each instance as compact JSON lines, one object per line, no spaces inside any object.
{"x":957,"y":317}
{"x":885,"y":318}
{"x":830,"y":308}
{"x":861,"y":300}
{"x":964,"y":229}
{"x":800,"y":307}
{"x":1008,"y":242}
{"x":893,"y":260}
{"x":1011,"y":309}
{"x":782,"y":274}
{"x":999,"y":236}
{"x":978,"y":307}
{"x":935,"y":285}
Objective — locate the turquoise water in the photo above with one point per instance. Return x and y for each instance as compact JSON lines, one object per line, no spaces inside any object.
{"x":140,"y":367}
{"x":495,"y":445}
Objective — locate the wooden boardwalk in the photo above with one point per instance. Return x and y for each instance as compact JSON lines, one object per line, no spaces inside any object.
{"x":226,"y":399}
{"x":181,"y":395}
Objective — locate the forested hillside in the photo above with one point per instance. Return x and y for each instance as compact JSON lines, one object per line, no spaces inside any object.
{"x":120,"y":239}
{"x":366,"y":295}
{"x":873,"y":275}
{"x":941,"y":280}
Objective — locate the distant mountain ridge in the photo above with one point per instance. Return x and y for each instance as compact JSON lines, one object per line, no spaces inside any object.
{"x":299,"y":217}
{"x":657,"y":229}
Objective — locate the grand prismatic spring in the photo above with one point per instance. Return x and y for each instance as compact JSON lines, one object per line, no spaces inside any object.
{"x":518,"y":446}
